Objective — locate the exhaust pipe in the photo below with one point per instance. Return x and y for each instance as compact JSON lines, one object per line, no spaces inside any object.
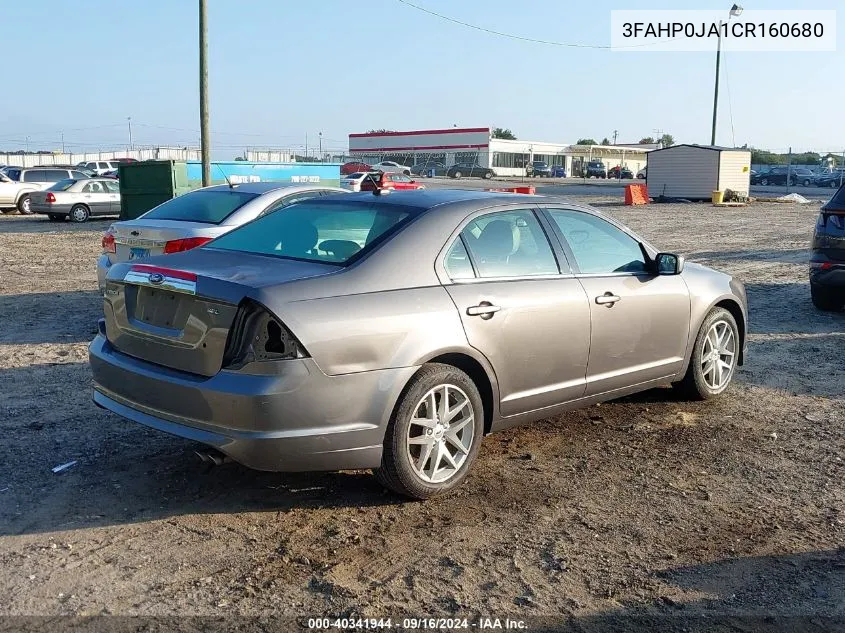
{"x":213,"y":457}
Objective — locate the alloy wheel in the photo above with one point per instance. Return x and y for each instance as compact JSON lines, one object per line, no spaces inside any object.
{"x":718,"y":355}
{"x":440,"y":434}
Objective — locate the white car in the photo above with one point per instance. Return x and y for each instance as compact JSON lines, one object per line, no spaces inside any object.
{"x":17,"y":183}
{"x":389,"y":167}
{"x":100,"y":167}
{"x":194,"y":218}
{"x":352,"y":182}
{"x":642,"y":174}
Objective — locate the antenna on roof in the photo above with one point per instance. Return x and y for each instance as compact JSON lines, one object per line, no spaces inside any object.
{"x":228,"y":182}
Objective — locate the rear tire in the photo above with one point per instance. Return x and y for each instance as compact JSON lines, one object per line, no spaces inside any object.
{"x":457,"y":175}
{"x":826,"y":299}
{"x":55,"y":217}
{"x":25,"y":205}
{"x":714,"y":357}
{"x":833,"y":184}
{"x":488,"y":175}
{"x":79,"y":213}
{"x":432,"y":454}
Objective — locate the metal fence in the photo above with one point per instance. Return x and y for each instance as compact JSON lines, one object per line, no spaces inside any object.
{"x":149,"y":153}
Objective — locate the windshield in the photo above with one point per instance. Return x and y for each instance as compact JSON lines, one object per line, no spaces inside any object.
{"x":209,"y":207}
{"x":317,"y":231}
{"x":63,"y":185}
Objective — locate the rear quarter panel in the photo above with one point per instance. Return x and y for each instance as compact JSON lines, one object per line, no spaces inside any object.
{"x":379,"y":330}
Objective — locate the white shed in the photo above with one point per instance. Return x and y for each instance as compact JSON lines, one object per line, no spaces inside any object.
{"x":696,"y":171}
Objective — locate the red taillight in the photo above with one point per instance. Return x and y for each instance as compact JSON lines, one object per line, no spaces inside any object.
{"x":177,"y":246}
{"x":108,"y":243}
{"x":50,"y":197}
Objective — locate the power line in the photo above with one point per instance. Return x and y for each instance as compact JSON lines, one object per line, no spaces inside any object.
{"x":523,"y":38}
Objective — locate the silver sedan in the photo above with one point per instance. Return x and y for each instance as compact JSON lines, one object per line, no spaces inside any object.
{"x":77,"y":200}
{"x":394,"y":331}
{"x":195,"y":218}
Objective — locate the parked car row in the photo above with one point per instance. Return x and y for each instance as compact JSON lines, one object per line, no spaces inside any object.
{"x":782,"y":175}
{"x":459,"y":170}
{"x":17,"y":184}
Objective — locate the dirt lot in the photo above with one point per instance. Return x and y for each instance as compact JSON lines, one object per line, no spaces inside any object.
{"x":648,"y":505}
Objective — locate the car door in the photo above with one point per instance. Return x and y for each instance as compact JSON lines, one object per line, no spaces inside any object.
{"x":640,"y":320}
{"x":113,"y":191}
{"x":96,"y":198}
{"x":521,"y":308}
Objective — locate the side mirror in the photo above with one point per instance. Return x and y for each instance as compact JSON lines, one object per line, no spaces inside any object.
{"x":668,"y":264}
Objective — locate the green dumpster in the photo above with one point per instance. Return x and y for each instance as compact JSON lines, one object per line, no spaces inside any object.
{"x":147,"y":184}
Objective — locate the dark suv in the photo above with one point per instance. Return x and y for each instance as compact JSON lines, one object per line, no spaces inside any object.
{"x":827,"y":260}
{"x":539,"y":168}
{"x":596,"y":169}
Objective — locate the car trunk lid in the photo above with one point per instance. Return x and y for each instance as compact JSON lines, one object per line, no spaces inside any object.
{"x":147,"y":238}
{"x":176,"y":311}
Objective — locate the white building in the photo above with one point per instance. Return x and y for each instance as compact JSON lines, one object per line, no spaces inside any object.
{"x":476,"y":145}
{"x":695,"y":171}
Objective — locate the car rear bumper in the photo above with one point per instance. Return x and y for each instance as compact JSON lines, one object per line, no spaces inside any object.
{"x":298,"y":419}
{"x":833,"y":278}
{"x":57,"y":209}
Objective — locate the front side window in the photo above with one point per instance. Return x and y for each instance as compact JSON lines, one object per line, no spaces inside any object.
{"x":598,"y":246}
{"x":509,"y":244}
{"x":317,"y":231}
{"x":54,"y":175}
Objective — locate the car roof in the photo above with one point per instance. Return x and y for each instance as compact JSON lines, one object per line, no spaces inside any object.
{"x":424,"y":199}
{"x":264,"y":187}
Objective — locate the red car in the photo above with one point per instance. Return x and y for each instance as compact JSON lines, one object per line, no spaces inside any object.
{"x":351,"y":168}
{"x":388,"y":180}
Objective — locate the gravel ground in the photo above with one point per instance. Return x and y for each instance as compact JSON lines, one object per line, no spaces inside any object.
{"x":647,"y":505}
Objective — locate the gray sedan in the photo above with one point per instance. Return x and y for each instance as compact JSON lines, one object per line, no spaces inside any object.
{"x":394,"y":331}
{"x":77,"y":200}
{"x":195,"y":218}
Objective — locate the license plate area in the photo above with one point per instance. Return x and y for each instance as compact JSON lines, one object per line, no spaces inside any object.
{"x":138,"y":253}
{"x":159,"y":308}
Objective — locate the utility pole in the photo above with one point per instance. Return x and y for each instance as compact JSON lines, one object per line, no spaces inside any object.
{"x":321,"y":147}
{"x":129,"y":121}
{"x":735,"y":11}
{"x":27,"y":145}
{"x":63,"y":142}
{"x":306,"y":146}
{"x":615,"y":132}
{"x":205,"y":140}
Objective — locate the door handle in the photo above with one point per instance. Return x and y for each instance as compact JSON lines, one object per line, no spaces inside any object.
{"x":608,"y":299}
{"x":484,"y":309}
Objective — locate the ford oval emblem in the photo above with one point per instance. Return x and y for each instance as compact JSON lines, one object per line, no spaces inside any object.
{"x":156,"y":278}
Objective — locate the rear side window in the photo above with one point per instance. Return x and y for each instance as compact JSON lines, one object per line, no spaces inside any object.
{"x":832,"y":224}
{"x":209,"y":207}
{"x":63,"y":185}
{"x":78,"y":175}
{"x":33,"y":176}
{"x":317,"y":232}
{"x":509,"y":244}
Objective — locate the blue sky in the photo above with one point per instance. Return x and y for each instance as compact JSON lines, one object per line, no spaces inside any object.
{"x":281,"y":69}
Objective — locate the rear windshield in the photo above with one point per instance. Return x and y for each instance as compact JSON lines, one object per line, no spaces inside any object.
{"x":210,"y":207}
{"x":63,"y":185}
{"x":317,"y":232}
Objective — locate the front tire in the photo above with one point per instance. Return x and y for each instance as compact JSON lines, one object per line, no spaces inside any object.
{"x":457,"y":175}
{"x":488,"y":175}
{"x":434,"y":433}
{"x":714,"y":357}
{"x":826,"y":299}
{"x":25,"y":205}
{"x":79,"y":213}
